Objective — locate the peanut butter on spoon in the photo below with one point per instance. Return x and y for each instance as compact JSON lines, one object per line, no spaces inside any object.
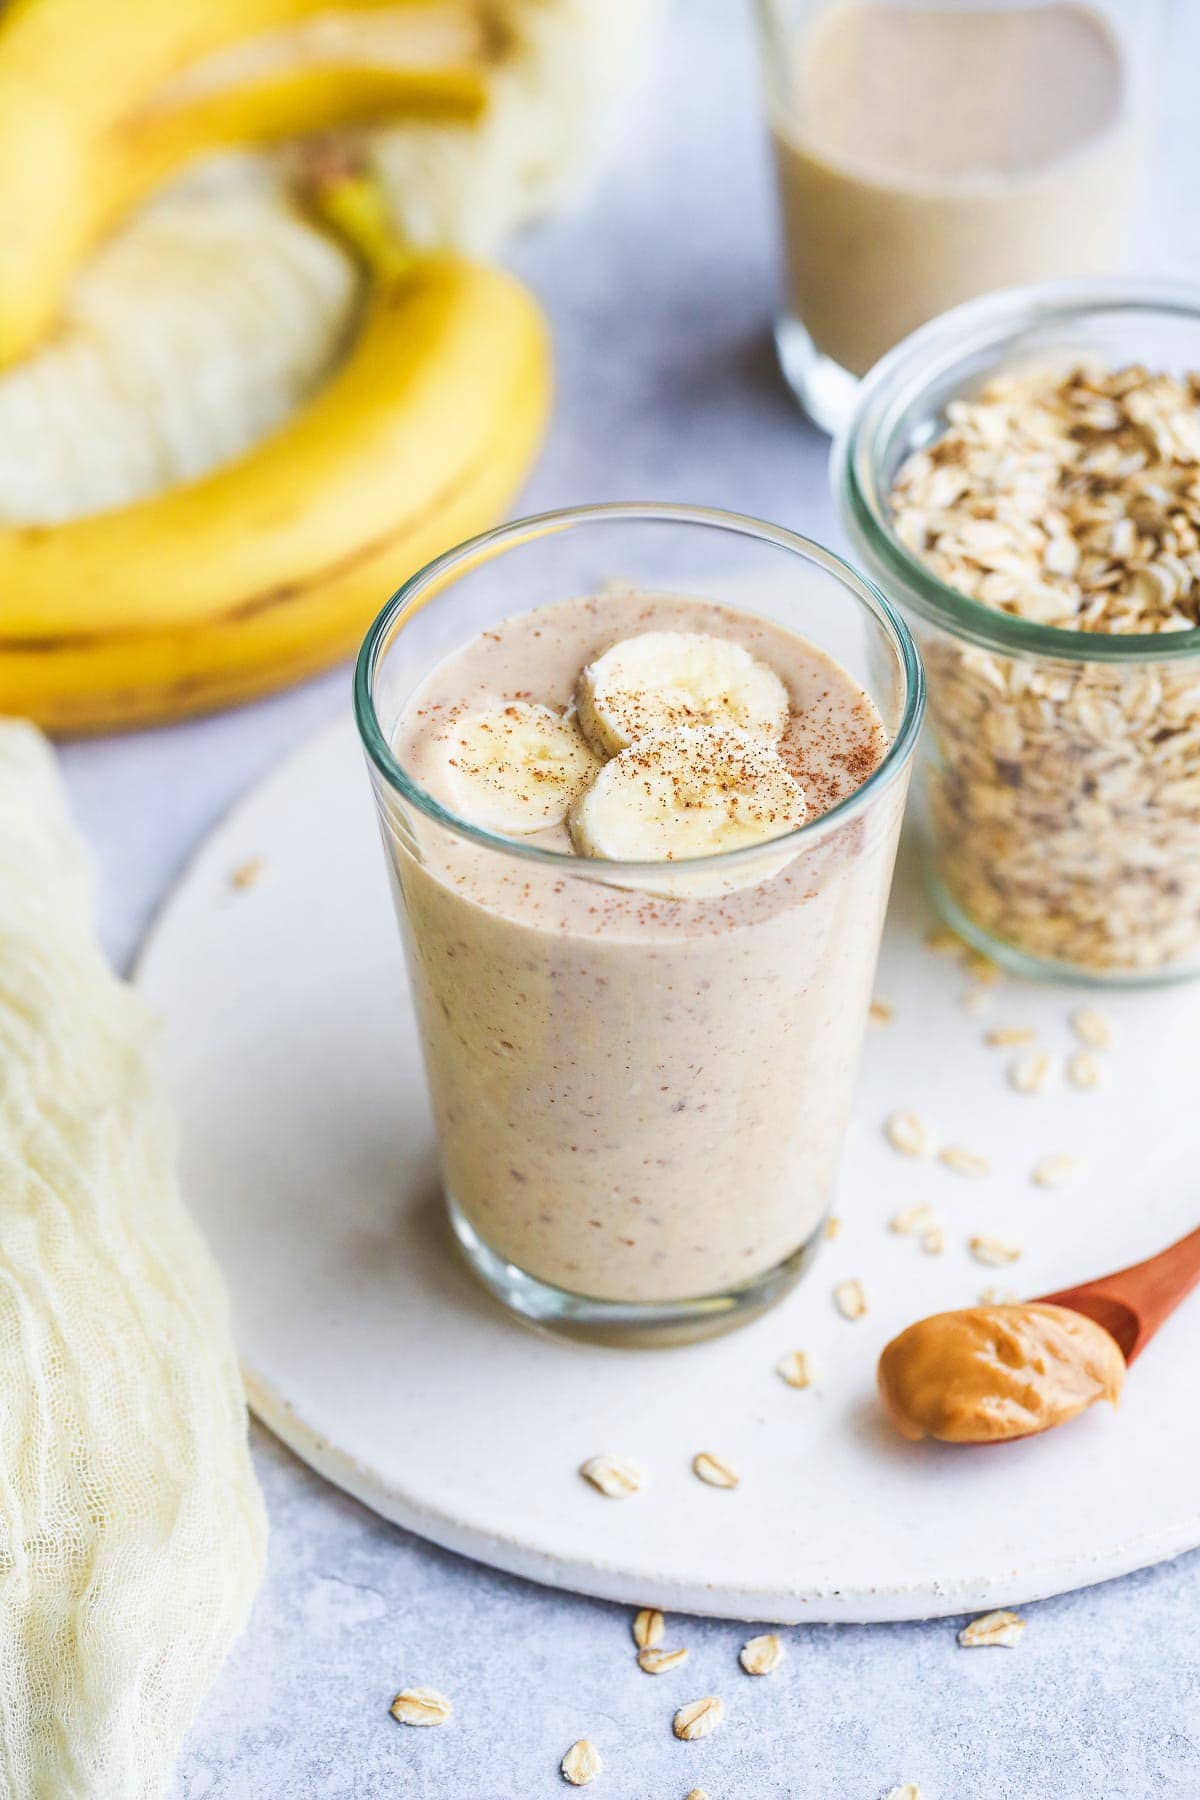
{"x":989,"y":1373}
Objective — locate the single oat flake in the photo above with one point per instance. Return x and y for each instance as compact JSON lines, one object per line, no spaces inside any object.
{"x":912,"y":1219}
{"x":714,"y":1471}
{"x":1092,"y":1028}
{"x":420,"y":1706}
{"x":994,"y":1251}
{"x":1056,"y":1171}
{"x":696,"y":1794}
{"x":658,"y":1662}
{"x":832,"y":1226}
{"x":1031,"y":1074}
{"x":648,"y":1628}
{"x":795,"y":1368}
{"x":909,"y":1791}
{"x":850,"y":1300}
{"x":615,"y":1476}
{"x":581,"y":1765}
{"x":964,"y":1162}
{"x":882,"y":1012}
{"x":933,"y":1241}
{"x":1008,"y":1037}
{"x":1085,"y":1071}
{"x":908,"y":1134}
{"x":698,"y":1718}
{"x":762,"y":1655}
{"x":249,"y":873}
{"x":1000,"y":1628}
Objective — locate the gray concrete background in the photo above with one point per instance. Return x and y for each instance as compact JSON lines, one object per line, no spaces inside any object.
{"x":659,"y":293}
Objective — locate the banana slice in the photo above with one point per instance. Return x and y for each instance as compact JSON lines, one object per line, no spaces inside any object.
{"x":666,"y":679}
{"x":516,"y":766}
{"x":693,"y":791}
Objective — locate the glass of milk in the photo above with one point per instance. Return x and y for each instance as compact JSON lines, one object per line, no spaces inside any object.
{"x":931,"y":150}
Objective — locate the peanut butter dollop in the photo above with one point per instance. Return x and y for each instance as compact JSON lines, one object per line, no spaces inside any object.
{"x":994,"y":1372}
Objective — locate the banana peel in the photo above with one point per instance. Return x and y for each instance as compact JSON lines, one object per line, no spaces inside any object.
{"x":269,"y":568}
{"x":95,"y":113}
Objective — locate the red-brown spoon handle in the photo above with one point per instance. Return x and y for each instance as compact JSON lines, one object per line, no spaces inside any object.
{"x":1133,"y":1302}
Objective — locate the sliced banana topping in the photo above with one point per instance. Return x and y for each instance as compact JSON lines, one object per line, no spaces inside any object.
{"x":666,"y":679}
{"x":516,"y":766}
{"x":692,"y":791}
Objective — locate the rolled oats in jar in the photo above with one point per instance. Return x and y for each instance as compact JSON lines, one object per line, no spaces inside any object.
{"x":1024,"y":475}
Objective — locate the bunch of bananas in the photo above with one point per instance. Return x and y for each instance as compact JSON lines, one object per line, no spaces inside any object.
{"x":265,"y":567}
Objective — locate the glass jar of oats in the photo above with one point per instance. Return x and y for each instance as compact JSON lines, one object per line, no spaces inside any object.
{"x":1023,"y":476}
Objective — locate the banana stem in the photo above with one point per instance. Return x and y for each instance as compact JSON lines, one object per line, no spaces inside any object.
{"x":350,"y":201}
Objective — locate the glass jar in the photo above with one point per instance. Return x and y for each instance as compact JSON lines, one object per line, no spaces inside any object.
{"x":1061,"y":768}
{"x":931,"y":150}
{"x":640,"y":1072}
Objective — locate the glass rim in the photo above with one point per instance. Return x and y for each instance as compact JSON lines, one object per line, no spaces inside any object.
{"x":990,"y":322}
{"x":427,"y":581}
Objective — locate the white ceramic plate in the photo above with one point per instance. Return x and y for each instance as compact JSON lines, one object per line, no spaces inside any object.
{"x":308,"y":1159}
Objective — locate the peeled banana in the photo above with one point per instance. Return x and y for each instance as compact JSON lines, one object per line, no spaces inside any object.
{"x":269,"y":567}
{"x":97,"y":109}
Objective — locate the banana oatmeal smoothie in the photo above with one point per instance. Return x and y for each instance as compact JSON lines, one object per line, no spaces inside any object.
{"x":640,"y":1072}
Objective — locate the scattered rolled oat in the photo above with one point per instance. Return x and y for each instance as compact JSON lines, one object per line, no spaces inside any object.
{"x":832,"y":1226}
{"x":657,"y":1662}
{"x":976,"y":1001}
{"x":910,"y":1791}
{"x":648,"y":1628}
{"x":420,"y":1706}
{"x":981,"y":968}
{"x":698,"y":1718}
{"x":850,"y":1300}
{"x":1031,"y":1074}
{"x":1063,"y":798}
{"x":1092,"y":1028}
{"x":696,"y":1794}
{"x":712,"y":1470}
{"x":912,"y":1219}
{"x":882,"y":1012}
{"x":944,"y":941}
{"x":963,"y":1162}
{"x":1056,"y":1171}
{"x":762,"y":1655}
{"x":994,"y":1296}
{"x":581,"y":1765}
{"x":1008,"y":1037}
{"x":1001,"y":1628}
{"x":933,"y":1241}
{"x":249,"y":873}
{"x":615,"y":1476}
{"x":994,"y":1251}
{"x":795,"y":1368}
{"x":908,"y":1134}
{"x":1085,"y":1071}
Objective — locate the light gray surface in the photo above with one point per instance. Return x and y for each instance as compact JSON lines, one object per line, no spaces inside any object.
{"x":659,"y":295}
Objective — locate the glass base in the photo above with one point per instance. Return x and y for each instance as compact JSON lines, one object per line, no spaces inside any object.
{"x":623,"y":1323}
{"x":1042,"y":968}
{"x":824,"y":389}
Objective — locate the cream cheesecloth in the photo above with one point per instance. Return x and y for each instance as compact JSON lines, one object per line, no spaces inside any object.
{"x":131,"y":1526}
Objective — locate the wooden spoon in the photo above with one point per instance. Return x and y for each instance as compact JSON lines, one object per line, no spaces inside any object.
{"x":1132,"y":1303}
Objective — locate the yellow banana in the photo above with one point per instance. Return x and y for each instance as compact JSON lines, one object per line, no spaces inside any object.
{"x":270,"y":567}
{"x":97,"y":109}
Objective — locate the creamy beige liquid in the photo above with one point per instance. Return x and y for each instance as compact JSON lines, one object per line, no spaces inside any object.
{"x":928,"y":154}
{"x":639,"y":1098}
